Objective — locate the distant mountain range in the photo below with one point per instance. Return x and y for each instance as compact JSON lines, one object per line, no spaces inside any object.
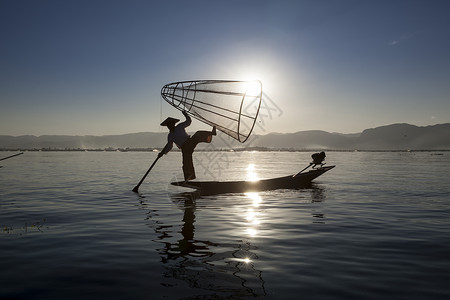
{"x":390,"y":137}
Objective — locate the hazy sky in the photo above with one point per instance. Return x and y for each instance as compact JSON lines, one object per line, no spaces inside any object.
{"x":97,"y":67}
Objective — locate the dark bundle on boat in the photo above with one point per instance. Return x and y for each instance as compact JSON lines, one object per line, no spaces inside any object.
{"x":318,"y":158}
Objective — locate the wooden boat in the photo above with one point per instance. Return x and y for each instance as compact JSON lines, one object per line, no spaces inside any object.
{"x":298,"y":180}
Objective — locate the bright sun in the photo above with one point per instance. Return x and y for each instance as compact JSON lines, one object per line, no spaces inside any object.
{"x":253,"y":88}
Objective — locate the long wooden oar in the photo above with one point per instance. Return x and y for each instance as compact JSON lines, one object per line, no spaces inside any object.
{"x":11,"y":156}
{"x":136,"y":188}
{"x":310,"y":164}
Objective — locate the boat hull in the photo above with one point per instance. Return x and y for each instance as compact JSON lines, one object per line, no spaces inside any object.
{"x":285,"y":182}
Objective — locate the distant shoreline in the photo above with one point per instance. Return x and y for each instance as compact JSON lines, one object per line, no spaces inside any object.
{"x":395,"y":137}
{"x":250,"y":149}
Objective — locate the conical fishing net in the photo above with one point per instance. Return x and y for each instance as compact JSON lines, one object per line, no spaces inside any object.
{"x":231,"y":106}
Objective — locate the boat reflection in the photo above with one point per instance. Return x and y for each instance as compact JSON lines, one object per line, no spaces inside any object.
{"x":187,"y":246}
{"x":317,"y":192}
{"x":225,"y":265}
{"x":226,"y":269}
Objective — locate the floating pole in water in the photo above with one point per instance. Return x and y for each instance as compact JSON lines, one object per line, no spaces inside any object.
{"x":11,"y":156}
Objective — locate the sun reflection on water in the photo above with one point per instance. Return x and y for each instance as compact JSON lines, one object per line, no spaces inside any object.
{"x":251,"y":174}
{"x":252,"y":215}
{"x":251,"y":232}
{"x":255,"y":197}
{"x":243,"y":260}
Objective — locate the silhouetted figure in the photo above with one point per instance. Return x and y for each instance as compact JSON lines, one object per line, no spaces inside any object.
{"x":185,"y":142}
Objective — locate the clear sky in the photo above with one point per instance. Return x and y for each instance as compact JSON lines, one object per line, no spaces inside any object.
{"x":97,"y":67}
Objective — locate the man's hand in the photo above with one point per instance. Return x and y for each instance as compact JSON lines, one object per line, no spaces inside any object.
{"x":160,"y":154}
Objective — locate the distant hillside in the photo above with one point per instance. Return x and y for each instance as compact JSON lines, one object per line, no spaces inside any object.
{"x":405,"y":136}
{"x":390,"y":137}
{"x":314,"y":139}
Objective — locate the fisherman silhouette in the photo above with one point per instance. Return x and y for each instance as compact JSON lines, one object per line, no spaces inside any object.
{"x":185,"y":142}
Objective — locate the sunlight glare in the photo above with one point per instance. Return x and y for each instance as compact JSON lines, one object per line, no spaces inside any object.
{"x":251,"y":174}
{"x":251,"y":232}
{"x":250,"y":215}
{"x":255,"y":197}
{"x":253,"y":88}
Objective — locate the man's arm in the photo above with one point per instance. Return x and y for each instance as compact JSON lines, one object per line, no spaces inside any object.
{"x":188,"y":120}
{"x":167,"y":147}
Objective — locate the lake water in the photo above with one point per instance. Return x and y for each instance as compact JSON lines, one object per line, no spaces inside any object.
{"x":375,"y":227}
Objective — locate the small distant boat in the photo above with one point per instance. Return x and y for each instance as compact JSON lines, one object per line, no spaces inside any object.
{"x":298,"y":180}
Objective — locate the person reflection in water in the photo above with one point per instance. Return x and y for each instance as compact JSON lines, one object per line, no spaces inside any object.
{"x":185,"y":142}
